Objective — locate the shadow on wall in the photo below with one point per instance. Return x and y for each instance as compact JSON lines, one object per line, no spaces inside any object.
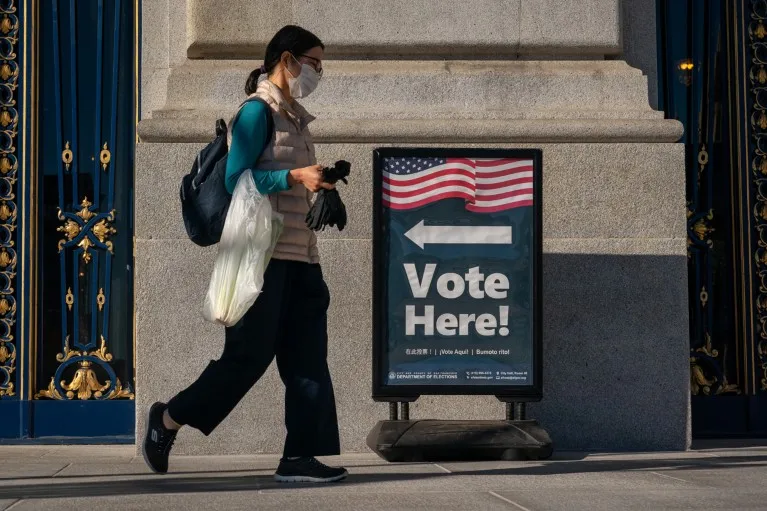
{"x":640,"y":41}
{"x":616,"y":344}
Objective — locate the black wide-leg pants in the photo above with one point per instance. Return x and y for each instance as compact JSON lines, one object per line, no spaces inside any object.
{"x":288,"y":321}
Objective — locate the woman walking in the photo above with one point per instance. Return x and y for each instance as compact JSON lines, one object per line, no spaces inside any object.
{"x":289,"y":319}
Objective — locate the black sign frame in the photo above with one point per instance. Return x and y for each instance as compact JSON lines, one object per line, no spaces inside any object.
{"x":391,"y":393}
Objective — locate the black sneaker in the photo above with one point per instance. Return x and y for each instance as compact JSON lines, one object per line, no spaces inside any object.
{"x":308,"y":470}
{"x":158,"y":440}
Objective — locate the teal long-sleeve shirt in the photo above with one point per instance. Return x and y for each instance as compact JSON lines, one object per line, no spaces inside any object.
{"x":248,"y":141}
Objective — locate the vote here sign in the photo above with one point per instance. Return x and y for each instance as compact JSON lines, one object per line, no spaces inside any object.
{"x":457,"y":261}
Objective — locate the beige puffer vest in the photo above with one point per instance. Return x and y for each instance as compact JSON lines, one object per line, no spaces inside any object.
{"x":291,"y":147}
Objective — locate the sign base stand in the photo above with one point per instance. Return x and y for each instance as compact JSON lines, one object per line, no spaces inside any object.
{"x":447,"y":440}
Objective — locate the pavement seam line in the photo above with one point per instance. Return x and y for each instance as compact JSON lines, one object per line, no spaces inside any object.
{"x":62,"y":469}
{"x":518,"y":506}
{"x":442,"y":468}
{"x":18,"y":501}
{"x":670,"y":477}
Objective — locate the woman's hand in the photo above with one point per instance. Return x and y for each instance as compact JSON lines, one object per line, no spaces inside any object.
{"x":310,"y":177}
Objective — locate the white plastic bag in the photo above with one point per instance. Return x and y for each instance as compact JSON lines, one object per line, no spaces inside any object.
{"x":250,"y":232}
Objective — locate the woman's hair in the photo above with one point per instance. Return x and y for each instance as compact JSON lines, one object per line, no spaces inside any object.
{"x":291,"y":38}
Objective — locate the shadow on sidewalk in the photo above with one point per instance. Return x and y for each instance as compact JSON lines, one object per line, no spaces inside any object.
{"x":226,"y":483}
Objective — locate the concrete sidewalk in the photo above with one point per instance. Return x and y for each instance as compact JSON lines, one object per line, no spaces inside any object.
{"x":112,"y":478}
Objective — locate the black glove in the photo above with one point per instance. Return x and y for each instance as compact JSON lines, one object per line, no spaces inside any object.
{"x":339,"y":172}
{"x":328,"y":208}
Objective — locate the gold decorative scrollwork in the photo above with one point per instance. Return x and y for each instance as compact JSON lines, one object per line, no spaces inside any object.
{"x":79,"y":226}
{"x":85,"y":383}
{"x":7,"y":71}
{"x":757,"y":73}
{"x":85,"y":213}
{"x":51,"y":393}
{"x":101,"y":353}
{"x":9,"y":129}
{"x":7,"y":166}
{"x":702,"y":229}
{"x":6,"y":212}
{"x":5,"y":353}
{"x":102,"y":231}
{"x":6,"y":306}
{"x":7,"y":259}
{"x":70,"y":228}
{"x":7,"y":25}
{"x":7,"y":118}
{"x":699,"y":381}
{"x":68,"y":353}
{"x":118,"y":392}
{"x":699,"y":229}
{"x":86,"y":244}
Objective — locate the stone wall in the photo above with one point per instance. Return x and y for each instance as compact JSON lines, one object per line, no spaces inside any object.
{"x":615,"y":311}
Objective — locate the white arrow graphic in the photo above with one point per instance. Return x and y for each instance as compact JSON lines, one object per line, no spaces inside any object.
{"x":422,"y":235}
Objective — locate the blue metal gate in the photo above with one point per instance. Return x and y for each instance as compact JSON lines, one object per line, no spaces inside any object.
{"x":713,"y":62}
{"x":77,"y":292}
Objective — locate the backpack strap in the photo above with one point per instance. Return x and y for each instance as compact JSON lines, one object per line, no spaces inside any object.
{"x":269,"y":118}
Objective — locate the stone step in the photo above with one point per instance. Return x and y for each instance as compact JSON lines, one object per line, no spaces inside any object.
{"x":440,"y":131}
{"x":435,"y":89}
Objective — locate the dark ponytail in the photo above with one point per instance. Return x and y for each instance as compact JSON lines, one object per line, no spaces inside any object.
{"x":291,"y":38}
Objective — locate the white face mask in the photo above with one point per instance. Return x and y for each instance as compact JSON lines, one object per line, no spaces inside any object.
{"x":305,"y":83}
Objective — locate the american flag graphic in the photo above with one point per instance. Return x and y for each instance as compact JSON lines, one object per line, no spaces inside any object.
{"x":487,"y":185}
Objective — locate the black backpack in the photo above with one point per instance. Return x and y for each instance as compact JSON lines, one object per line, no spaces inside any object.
{"x":204,"y":198}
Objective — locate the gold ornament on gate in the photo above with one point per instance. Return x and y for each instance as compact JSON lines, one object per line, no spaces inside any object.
{"x":68,"y":353}
{"x":5,"y":165}
{"x":70,"y":229}
{"x":698,"y":380}
{"x":6,"y":71}
{"x":5,"y":307}
{"x":5,"y":118}
{"x":85,"y":213}
{"x":105,"y":157}
{"x":6,"y":26}
{"x":761,"y":31}
{"x":69,"y":299}
{"x":9,"y":292}
{"x":85,"y":383}
{"x":102,"y":353}
{"x":86,"y":244}
{"x":66,"y":156}
{"x":101,"y":300}
{"x":5,"y":353}
{"x":5,"y":258}
{"x":5,"y":211}
{"x":101,"y":231}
